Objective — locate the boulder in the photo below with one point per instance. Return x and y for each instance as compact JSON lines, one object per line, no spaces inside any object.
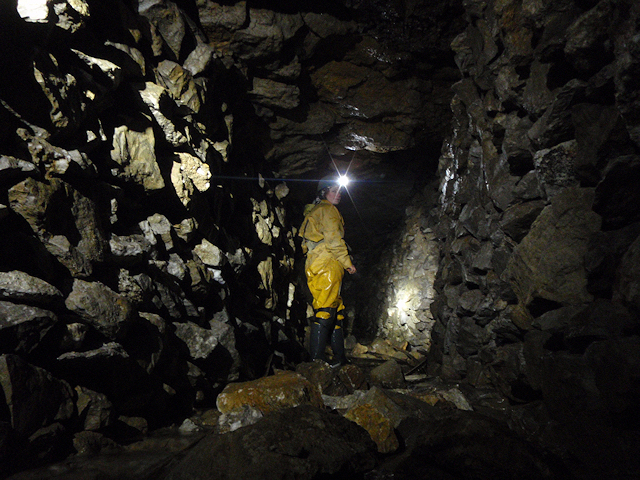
{"x":94,"y":409}
{"x":100,"y":307}
{"x":22,"y":327}
{"x":134,"y":151}
{"x":549,"y":262}
{"x":214,"y":347}
{"x":379,"y":427}
{"x":388,"y":375}
{"x":110,"y":370}
{"x":22,"y":287}
{"x":283,"y":390}
{"x":305,"y":442}
{"x":468,"y":444}
{"x":75,"y":237}
{"x":556,"y":167}
{"x":33,"y":396}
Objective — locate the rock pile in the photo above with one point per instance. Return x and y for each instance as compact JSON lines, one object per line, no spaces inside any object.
{"x":303,"y":424}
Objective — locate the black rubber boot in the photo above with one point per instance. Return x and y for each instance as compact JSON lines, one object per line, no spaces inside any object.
{"x":337,"y":345}
{"x":318,"y":340}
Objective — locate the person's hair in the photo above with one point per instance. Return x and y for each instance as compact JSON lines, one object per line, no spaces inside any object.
{"x":321,"y":195}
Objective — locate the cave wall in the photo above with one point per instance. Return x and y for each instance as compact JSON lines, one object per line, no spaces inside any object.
{"x":537,"y":220}
{"x":145,"y":262}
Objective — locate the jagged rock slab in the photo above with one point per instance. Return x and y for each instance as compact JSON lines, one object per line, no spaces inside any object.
{"x":304,"y":442}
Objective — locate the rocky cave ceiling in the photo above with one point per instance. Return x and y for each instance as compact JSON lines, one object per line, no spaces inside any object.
{"x":363,"y":80}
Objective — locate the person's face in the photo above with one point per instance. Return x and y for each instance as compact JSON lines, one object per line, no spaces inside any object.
{"x":333,"y":195}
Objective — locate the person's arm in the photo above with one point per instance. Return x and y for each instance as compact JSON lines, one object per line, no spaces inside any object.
{"x":332,"y":231}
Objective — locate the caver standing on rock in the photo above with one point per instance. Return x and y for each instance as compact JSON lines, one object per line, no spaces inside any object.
{"x":328,"y":257}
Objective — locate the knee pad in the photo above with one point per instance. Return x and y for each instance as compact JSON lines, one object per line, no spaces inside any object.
{"x":325,"y":316}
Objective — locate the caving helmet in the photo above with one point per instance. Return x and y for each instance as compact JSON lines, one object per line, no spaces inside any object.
{"x":332,"y":181}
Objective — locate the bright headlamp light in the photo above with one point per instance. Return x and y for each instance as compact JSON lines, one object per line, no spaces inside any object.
{"x":343,"y":181}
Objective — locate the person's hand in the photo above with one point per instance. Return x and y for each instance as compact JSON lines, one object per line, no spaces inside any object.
{"x":351,"y":270}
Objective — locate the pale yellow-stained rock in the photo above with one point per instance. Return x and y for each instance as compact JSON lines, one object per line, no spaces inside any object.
{"x":379,"y":427}
{"x":188,"y":175}
{"x":180,"y":84}
{"x":268,"y":394}
{"x":134,"y":151}
{"x":359,"y":350}
{"x":426,"y":397}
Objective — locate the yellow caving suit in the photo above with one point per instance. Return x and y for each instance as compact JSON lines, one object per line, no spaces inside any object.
{"x":327,"y":258}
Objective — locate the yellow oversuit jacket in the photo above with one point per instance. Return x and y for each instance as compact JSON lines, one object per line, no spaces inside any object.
{"x":327,"y":254}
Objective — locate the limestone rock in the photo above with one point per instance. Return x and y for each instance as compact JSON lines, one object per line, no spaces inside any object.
{"x":388,"y":375}
{"x":13,"y":168}
{"x":158,"y":228}
{"x":108,"y":68}
{"x":277,"y":392}
{"x":220,"y":21}
{"x":265,"y":35}
{"x":549,"y":262}
{"x":72,"y":14}
{"x":22,"y":327}
{"x":377,"y":425}
{"x":616,"y":391}
{"x":33,"y":396}
{"x":168,"y":21}
{"x":626,"y":83}
{"x":215,"y":345}
{"x":556,"y":167}
{"x":90,"y":443}
{"x":129,"y":249}
{"x":385,"y":404}
{"x":554,"y":126}
{"x":628,"y":285}
{"x":59,"y":89}
{"x":163,"y":109}
{"x":274,"y":94}
{"x":536,"y":95}
{"x":305,"y":440}
{"x":22,"y":287}
{"x":241,"y":417}
{"x":112,"y":371}
{"x":615,"y":201}
{"x":129,"y":58}
{"x":179,"y":83}
{"x":135,"y":152}
{"x":585,"y":48}
{"x":188,"y":176}
{"x":101,"y":307}
{"x":516,"y":221}
{"x":324,"y":25}
{"x":333,"y":382}
{"x":209,"y":254}
{"x":199,"y":59}
{"x":478,"y":438}
{"x":35,"y":200}
{"x":94,"y":409}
